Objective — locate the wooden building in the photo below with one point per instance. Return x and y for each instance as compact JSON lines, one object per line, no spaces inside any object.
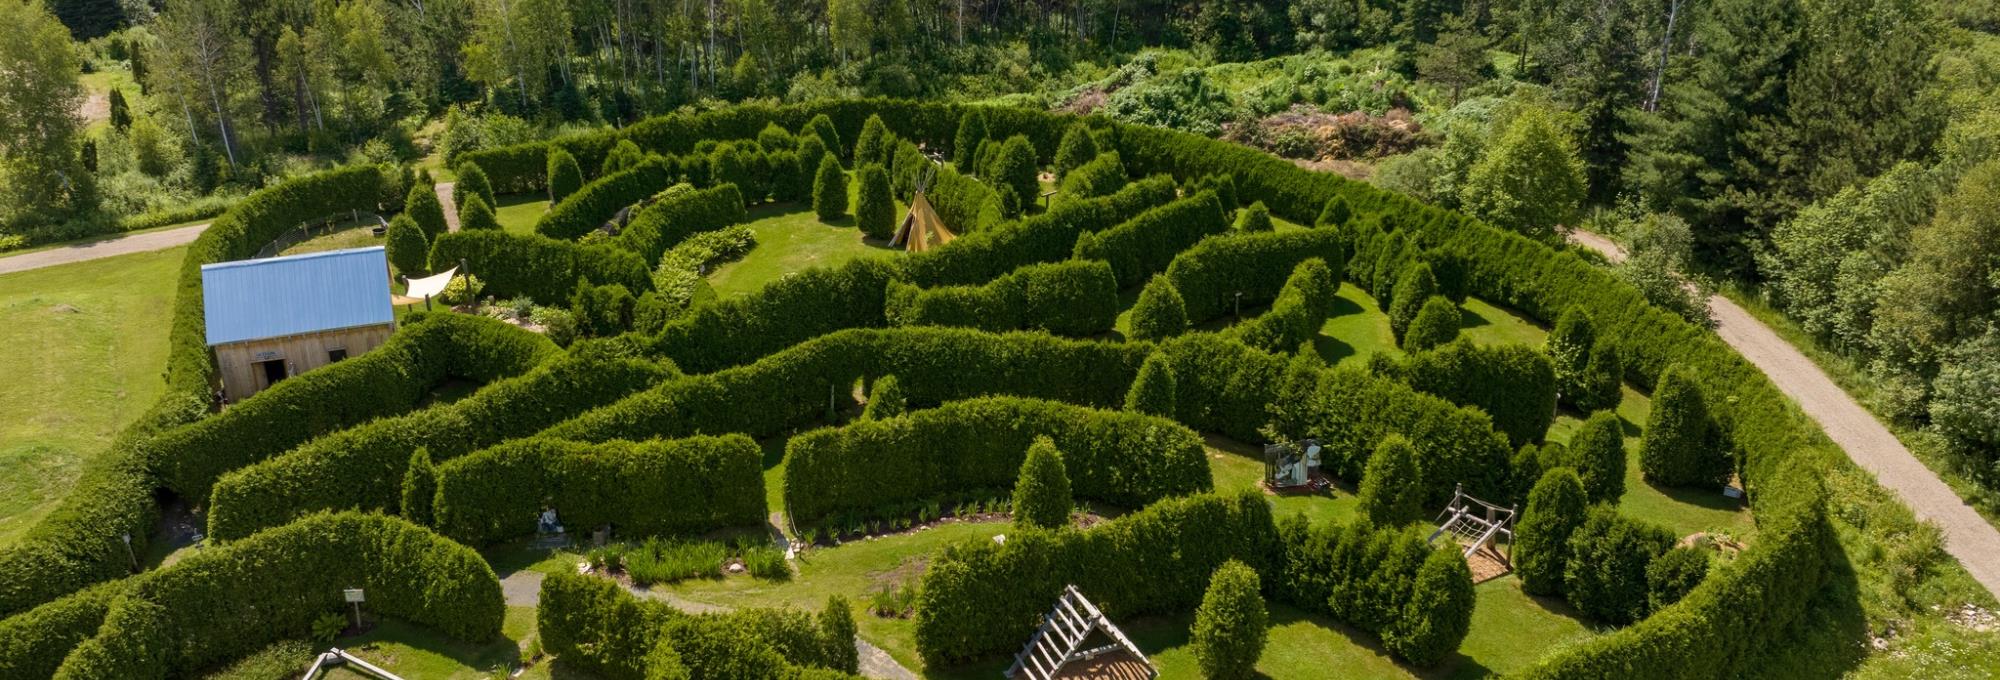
{"x":274,"y":318}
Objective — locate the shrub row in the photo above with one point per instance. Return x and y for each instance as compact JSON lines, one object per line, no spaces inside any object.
{"x":1514,"y":384}
{"x":964,"y":204}
{"x":783,"y":313}
{"x":1049,"y":237}
{"x":1125,"y":459}
{"x":981,"y":597}
{"x":678,"y":486}
{"x":666,"y":223}
{"x":932,"y":365}
{"x":1384,"y":580}
{"x":594,"y":625}
{"x":600,"y":200}
{"x":1301,"y":309}
{"x":385,"y":381}
{"x":1211,"y":274}
{"x":362,"y":467}
{"x":1101,"y":176}
{"x":1148,"y":243}
{"x":522,"y":167}
{"x":538,"y":267}
{"x":226,"y":602}
{"x":1075,"y":298}
{"x":33,"y":643}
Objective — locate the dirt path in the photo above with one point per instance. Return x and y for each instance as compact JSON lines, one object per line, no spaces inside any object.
{"x":1968,"y":536}
{"x":447,"y":194}
{"x":92,"y":250}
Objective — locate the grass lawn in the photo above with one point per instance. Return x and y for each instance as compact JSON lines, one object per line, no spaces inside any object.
{"x":83,"y":346}
{"x":518,"y":213}
{"x":790,"y":238}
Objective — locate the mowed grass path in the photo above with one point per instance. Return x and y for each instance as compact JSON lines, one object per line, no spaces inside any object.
{"x":790,"y":239}
{"x":83,"y":346}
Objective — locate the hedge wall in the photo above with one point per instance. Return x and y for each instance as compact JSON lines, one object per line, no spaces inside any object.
{"x":1210,"y":274}
{"x":1146,"y":244}
{"x":33,"y":643}
{"x":387,"y":380}
{"x":362,"y":467}
{"x":678,"y":486}
{"x":666,"y":223}
{"x":595,"y":625}
{"x":796,"y":387}
{"x":980,"y":598}
{"x":1299,"y":312}
{"x":600,"y":200}
{"x":1049,"y":237}
{"x":229,"y":601}
{"x":523,"y":167}
{"x":538,"y":267}
{"x":1073,"y":298}
{"x":1514,"y":384}
{"x":874,"y":466}
{"x":783,"y":313}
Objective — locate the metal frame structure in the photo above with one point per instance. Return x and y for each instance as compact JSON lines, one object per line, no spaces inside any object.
{"x":1475,"y":524}
{"x":1060,"y":640}
{"x":339,"y":657}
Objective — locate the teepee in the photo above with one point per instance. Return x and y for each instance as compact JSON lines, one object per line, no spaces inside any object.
{"x":921,"y":229}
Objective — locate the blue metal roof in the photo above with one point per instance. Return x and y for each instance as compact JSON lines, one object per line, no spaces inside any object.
{"x":278,"y":296}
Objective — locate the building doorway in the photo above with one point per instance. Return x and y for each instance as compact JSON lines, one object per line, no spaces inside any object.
{"x":273,"y":371}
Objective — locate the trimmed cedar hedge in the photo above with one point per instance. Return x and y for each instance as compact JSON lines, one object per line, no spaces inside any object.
{"x":362,"y":467}
{"x":1210,"y":274}
{"x":1146,"y":244}
{"x":225,"y":602}
{"x":1074,"y":298}
{"x":664,"y":224}
{"x":782,"y":314}
{"x":595,"y":625}
{"x":658,"y":487}
{"x":874,"y":466}
{"x":1299,"y":312}
{"x":539,"y":267}
{"x":980,"y":598}
{"x":964,"y":204}
{"x":387,"y":380}
{"x":523,"y":167}
{"x":599,"y":201}
{"x":978,"y":257}
{"x":1515,"y":384}
{"x":932,"y":364}
{"x":33,"y":643}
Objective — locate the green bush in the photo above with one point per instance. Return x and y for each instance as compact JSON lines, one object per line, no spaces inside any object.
{"x":1210,"y":274}
{"x":1556,"y":507}
{"x":1603,"y":378}
{"x":602,"y":311}
{"x":775,"y":137}
{"x":1569,"y":347}
{"x":667,"y":222}
{"x":1391,"y":491}
{"x":660,"y":487}
{"x":1254,"y":219}
{"x":885,"y":399}
{"x":1153,"y":392}
{"x":983,"y":255}
{"x":1066,"y":298}
{"x":972,"y":131}
{"x":874,"y":144}
{"x":477,"y":215}
{"x":1146,"y":244}
{"x":741,"y":165}
{"x":362,"y":467}
{"x":599,"y":201}
{"x":1014,"y":168}
{"x":406,"y":246}
{"x":1300,"y":311}
{"x":423,"y":206}
{"x":471,"y":182}
{"x":33,"y":643}
{"x":1414,"y":287}
{"x":975,"y":447}
{"x":1160,"y":312}
{"x":875,"y":206}
{"x":1608,"y":556}
{"x":822,"y":127}
{"x":1041,"y":490}
{"x":565,"y":175}
{"x":1674,"y":574}
{"x":1077,"y":148}
{"x":1334,"y":214}
{"x":1101,"y":176}
{"x":1229,"y":626}
{"x":964,"y":204}
{"x":1679,"y":447}
{"x":981,"y":598}
{"x":829,"y":190}
{"x":538,"y":267}
{"x":1439,"y":612}
{"x":419,"y":487}
{"x":623,"y":156}
{"x":1435,"y":324}
{"x":1512,"y":383}
{"x":595,"y":625}
{"x":1597,"y":452}
{"x":229,"y":601}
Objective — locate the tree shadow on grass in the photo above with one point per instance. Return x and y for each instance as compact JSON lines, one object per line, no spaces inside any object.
{"x":1711,"y":498}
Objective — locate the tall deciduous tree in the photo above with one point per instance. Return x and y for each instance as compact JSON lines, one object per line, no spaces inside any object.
{"x":39,"y":94}
{"x":202,"y":56}
{"x":1531,"y":180}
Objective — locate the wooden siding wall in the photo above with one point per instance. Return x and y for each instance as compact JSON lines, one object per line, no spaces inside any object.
{"x":236,"y":363}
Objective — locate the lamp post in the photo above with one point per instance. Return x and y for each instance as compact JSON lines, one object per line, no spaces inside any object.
{"x":127,"y":536}
{"x":1239,"y":304}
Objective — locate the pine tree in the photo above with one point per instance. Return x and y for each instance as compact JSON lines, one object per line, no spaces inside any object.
{"x":1077,"y":147}
{"x":1160,"y":312}
{"x":1414,"y":287}
{"x":1569,"y":346}
{"x":565,"y":176}
{"x":419,"y":486}
{"x":885,"y":399}
{"x":873,"y":146}
{"x":1603,"y":378}
{"x":1391,"y":489}
{"x":1231,"y":624}
{"x":1439,"y":613}
{"x":423,"y":206}
{"x":775,"y":138}
{"x":1335,"y":214}
{"x":829,"y":190}
{"x":875,"y":206}
{"x":836,"y":633}
{"x":1436,"y":325}
{"x":972,"y":131}
{"x":622,"y":157}
{"x":1674,"y":574}
{"x":1254,"y":219}
{"x":1555,"y":509}
{"x":1597,"y":451}
{"x":121,"y":113}
{"x":1153,"y":392}
{"x":1680,"y":446}
{"x":1609,"y":553}
{"x":1042,"y":493}
{"x":472,"y":181}
{"x":822,"y":127}
{"x":476,"y":215}
{"x":1014,"y":168}
{"x":406,"y":246}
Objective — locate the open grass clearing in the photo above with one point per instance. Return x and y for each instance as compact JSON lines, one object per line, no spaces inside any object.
{"x":791,"y":239}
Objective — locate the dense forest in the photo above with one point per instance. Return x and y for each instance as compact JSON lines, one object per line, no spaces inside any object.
{"x":1834,"y":158}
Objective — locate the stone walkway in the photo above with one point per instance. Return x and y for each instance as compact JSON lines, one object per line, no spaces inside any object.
{"x":1968,"y":536}
{"x":448,"y":195}
{"x":95,"y":250}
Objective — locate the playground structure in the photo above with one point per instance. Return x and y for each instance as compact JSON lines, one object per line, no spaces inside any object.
{"x":1475,"y":524}
{"x":1060,"y":641}
{"x":1294,"y":467}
